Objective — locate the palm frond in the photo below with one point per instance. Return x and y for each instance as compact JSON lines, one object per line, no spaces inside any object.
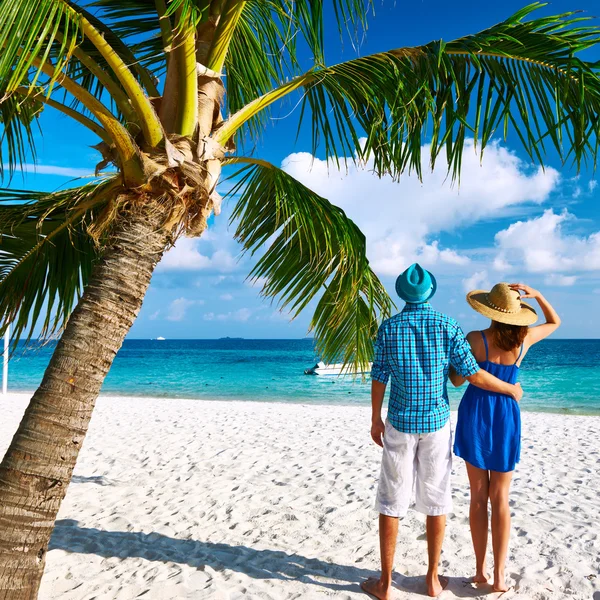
{"x":17,"y":117}
{"x":313,"y":247}
{"x":190,"y":12}
{"x":46,"y":254}
{"x":264,"y":49}
{"x":261,"y":55}
{"x":136,"y":23}
{"x":28,"y":32}
{"x":122,"y":50}
{"x":306,"y":18}
{"x":519,"y":75}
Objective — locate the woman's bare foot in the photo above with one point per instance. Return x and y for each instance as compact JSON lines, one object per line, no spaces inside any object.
{"x":500,"y":583}
{"x":481,"y":577}
{"x":436,"y":585}
{"x":375,"y":588}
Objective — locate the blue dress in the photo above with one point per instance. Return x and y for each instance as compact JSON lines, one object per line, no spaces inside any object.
{"x":488,"y":430}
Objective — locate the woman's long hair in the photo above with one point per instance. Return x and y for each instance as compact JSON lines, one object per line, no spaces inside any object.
{"x":508,"y":337}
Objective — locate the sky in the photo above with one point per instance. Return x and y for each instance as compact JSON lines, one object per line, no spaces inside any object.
{"x":507,"y":221}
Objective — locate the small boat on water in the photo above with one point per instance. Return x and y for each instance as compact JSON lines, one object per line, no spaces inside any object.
{"x":336,"y":369}
{"x":160,"y":339}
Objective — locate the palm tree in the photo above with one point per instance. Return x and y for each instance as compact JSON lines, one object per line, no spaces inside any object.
{"x":171,"y":89}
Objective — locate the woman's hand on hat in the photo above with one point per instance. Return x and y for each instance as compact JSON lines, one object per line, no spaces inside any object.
{"x":528,"y":292}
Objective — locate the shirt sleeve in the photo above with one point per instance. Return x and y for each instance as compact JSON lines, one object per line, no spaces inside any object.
{"x":380,"y":370}
{"x":461,"y":357}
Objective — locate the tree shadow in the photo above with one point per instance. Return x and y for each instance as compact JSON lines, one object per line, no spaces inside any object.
{"x":97,"y":479}
{"x":258,"y":564}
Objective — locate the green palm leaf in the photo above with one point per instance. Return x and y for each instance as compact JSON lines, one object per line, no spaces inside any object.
{"x":28,"y":32}
{"x":136,"y":23}
{"x":306,"y":17}
{"x":46,"y":254}
{"x":518,"y":74}
{"x":264,"y":48}
{"x":17,"y":117}
{"x":262,"y":53}
{"x":313,"y":247}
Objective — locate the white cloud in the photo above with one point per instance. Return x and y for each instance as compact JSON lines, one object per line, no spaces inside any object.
{"x":243,"y":314}
{"x":500,"y":264}
{"x":179,"y":307}
{"x":477,"y":281}
{"x":154,"y":315}
{"x":401,"y":220}
{"x":561,"y":280}
{"x":541,"y":245}
{"x":54,"y":170}
{"x":226,"y":297}
{"x":186,"y":256}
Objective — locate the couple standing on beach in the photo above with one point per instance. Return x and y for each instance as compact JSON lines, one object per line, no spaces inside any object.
{"x":419,"y":348}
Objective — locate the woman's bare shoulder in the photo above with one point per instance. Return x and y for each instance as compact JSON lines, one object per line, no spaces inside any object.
{"x":474,"y":337}
{"x":476,"y":342}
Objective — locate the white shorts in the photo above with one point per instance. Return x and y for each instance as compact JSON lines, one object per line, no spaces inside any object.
{"x":422,"y":457}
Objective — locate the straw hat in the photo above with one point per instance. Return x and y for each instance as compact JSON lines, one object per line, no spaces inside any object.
{"x":502,"y":304}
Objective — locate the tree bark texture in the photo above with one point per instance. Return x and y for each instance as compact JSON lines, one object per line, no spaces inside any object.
{"x":38,"y":465}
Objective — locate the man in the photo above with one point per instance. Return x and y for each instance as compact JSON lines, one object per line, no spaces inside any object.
{"x":416,"y":348}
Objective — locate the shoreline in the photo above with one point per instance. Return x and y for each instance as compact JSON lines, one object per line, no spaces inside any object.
{"x":305,"y":402}
{"x":232,"y":500}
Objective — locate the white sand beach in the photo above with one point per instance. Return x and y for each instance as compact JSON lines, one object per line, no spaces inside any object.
{"x":239,"y":500}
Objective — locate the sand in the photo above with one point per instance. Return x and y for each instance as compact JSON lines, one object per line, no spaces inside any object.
{"x":238,"y":500}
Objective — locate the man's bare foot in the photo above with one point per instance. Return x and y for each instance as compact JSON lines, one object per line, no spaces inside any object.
{"x":375,"y":588}
{"x":481,"y":577}
{"x":436,"y":585}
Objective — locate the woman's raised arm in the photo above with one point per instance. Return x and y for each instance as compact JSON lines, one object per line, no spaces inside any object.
{"x":552,"y":323}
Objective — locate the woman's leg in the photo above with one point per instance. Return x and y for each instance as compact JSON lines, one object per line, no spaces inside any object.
{"x":499,"y":487}
{"x":478,"y":517}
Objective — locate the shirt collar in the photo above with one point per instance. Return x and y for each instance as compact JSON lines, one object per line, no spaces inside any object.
{"x":409,"y":307}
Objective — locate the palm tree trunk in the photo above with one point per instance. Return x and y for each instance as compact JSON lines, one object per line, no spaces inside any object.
{"x":37,"y":467}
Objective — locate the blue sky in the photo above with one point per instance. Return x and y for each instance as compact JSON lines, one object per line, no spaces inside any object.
{"x":508,"y":220}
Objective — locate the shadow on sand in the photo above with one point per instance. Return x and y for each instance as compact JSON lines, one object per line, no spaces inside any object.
{"x":97,"y":479}
{"x":259,"y":564}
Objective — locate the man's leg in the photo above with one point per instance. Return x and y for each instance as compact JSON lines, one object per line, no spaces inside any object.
{"x":434,"y":498}
{"x":388,"y":534}
{"x":393,"y":497}
{"x":436,"y":527}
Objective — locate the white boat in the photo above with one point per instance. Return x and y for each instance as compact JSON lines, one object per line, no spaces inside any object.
{"x":336,"y":369}
{"x":160,"y":339}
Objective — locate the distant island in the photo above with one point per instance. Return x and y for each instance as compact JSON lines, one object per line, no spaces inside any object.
{"x":230,"y":338}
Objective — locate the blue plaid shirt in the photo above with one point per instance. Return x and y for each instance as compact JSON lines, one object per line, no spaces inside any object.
{"x":416,"y":347}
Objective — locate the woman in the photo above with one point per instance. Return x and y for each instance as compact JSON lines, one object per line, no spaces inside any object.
{"x":488,"y":431}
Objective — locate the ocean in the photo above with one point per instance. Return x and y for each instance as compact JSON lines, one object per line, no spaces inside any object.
{"x":561,"y":376}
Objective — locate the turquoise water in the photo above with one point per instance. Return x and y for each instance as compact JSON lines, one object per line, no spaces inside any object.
{"x":557,"y":375}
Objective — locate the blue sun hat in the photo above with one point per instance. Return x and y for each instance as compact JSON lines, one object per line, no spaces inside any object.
{"x":416,"y":285}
